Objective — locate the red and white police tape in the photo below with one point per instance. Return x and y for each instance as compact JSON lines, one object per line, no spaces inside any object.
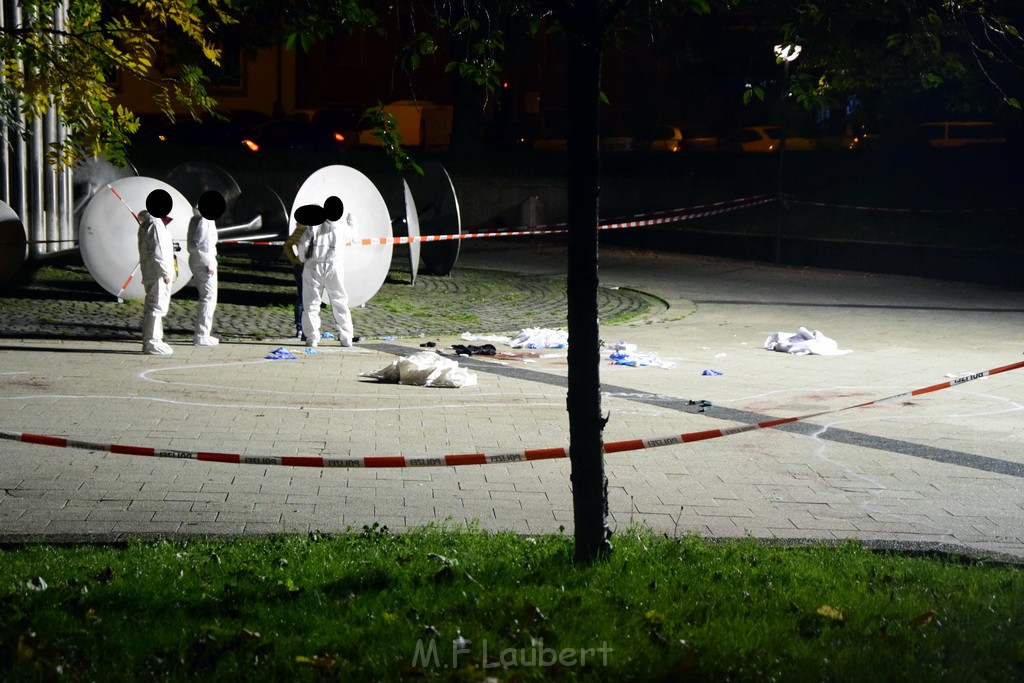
{"x":638,"y":221}
{"x":471,"y":458}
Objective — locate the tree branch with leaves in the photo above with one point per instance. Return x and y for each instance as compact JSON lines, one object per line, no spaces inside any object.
{"x":67,"y":55}
{"x":966,"y":55}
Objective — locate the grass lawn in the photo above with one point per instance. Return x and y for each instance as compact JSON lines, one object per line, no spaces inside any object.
{"x":461,"y":604}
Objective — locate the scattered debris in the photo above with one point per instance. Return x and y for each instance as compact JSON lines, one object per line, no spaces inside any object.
{"x":704,"y":405}
{"x":471,"y":350}
{"x":625,"y":353}
{"x":528,"y":338}
{"x":803,"y":342}
{"x":281,"y":353}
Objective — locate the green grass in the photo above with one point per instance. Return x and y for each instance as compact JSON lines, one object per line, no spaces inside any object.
{"x":377,"y":606}
{"x":50,"y":274}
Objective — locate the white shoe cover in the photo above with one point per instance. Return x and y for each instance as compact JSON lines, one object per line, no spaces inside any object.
{"x":157,"y":349}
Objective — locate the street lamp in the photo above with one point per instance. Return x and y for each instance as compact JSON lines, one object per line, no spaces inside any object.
{"x":784,"y":54}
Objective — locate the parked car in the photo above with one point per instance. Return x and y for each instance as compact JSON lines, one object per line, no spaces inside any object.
{"x":343,"y":125}
{"x":699,"y":139}
{"x":292,"y":134}
{"x":224,"y":130}
{"x":865,"y":138}
{"x":616,"y":141}
{"x":764,"y":139}
{"x":662,"y":138}
{"x":946,"y":134}
{"x":672,"y":138}
{"x":857,"y":137}
{"x":549,"y":144}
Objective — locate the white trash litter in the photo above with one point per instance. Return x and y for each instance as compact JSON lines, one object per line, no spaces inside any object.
{"x":528,"y":338}
{"x":803,"y":342}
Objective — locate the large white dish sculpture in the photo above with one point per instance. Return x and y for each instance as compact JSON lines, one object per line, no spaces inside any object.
{"x":193,"y":178}
{"x":108,"y":235}
{"x":260,"y":214}
{"x":411,"y":225}
{"x":438,"y":215}
{"x":365,"y":267}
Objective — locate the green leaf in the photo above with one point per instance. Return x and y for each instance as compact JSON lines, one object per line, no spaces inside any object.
{"x":830,"y":612}
{"x":924,"y":620}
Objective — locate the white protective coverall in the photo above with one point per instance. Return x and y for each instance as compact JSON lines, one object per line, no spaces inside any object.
{"x":322,"y":275}
{"x":202,"y":260}
{"x":156,"y":261}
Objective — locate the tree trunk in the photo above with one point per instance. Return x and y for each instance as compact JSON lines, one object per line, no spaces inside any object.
{"x":586,"y":425}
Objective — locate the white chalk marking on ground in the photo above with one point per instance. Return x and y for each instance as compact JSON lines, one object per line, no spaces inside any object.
{"x":868,"y":505}
{"x":145,"y":375}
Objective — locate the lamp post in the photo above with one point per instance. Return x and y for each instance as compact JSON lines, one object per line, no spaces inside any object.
{"x":784,"y":54}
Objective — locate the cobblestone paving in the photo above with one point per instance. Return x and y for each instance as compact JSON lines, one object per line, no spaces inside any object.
{"x":256,"y":302}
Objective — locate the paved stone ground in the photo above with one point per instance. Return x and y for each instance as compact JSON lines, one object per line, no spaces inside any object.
{"x":941,"y":470}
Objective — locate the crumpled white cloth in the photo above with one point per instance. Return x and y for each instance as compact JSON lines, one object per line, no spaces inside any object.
{"x":426,"y":368}
{"x":625,"y":353}
{"x":803,"y":342}
{"x":528,"y":338}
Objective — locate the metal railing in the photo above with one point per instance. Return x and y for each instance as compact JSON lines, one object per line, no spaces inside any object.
{"x":39,"y":193}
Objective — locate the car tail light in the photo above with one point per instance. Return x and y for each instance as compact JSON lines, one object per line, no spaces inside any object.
{"x":253,"y":147}
{"x":338,"y":137}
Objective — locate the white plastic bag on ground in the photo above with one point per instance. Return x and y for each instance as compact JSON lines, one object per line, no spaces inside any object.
{"x":489,"y":338}
{"x":803,"y":342}
{"x":537,"y":338}
{"x":625,"y":353}
{"x":427,"y":369}
{"x":528,"y":338}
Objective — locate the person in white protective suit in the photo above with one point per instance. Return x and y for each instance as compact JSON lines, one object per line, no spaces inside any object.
{"x":202,"y":260}
{"x":315,"y":216}
{"x":156,"y":261}
{"x":320,"y":249}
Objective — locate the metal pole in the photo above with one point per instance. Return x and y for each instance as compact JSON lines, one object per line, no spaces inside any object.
{"x":38,"y":193}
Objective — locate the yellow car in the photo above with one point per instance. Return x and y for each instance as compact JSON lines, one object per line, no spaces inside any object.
{"x":764,"y":139}
{"x":669,"y":138}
